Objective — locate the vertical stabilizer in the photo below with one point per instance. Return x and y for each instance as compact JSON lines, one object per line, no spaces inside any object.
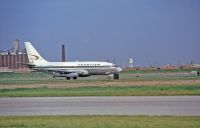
{"x":33,"y":55}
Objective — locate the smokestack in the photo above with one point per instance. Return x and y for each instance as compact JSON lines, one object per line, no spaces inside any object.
{"x":63,"y":53}
{"x":16,"y":46}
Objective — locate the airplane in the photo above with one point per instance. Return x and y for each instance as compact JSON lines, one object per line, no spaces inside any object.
{"x":69,"y":69}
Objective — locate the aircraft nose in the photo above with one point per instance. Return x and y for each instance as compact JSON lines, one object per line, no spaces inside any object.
{"x":119,"y":69}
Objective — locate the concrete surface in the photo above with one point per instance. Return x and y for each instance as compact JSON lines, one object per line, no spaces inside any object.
{"x":141,"y":105}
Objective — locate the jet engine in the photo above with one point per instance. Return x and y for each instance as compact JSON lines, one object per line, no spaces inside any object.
{"x":83,"y":73}
{"x":71,"y":75}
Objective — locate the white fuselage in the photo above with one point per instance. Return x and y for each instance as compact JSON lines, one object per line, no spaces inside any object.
{"x":87,"y":67}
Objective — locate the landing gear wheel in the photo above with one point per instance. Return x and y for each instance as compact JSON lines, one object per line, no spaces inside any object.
{"x":74,"y":78}
{"x":116,"y":76}
{"x":68,"y":78}
{"x":54,"y":75}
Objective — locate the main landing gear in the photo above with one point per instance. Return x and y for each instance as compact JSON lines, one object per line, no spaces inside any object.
{"x":116,"y":76}
{"x":68,"y":78}
{"x":113,"y":76}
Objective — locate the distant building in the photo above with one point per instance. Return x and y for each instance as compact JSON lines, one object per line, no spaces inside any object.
{"x":169,"y":66}
{"x":130,"y":63}
{"x":195,"y":65}
{"x":11,"y":58}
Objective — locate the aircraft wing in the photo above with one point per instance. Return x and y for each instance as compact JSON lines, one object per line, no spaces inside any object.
{"x":68,"y":71}
{"x":27,"y":64}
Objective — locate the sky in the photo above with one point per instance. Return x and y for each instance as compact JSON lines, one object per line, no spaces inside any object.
{"x":152,"y":32}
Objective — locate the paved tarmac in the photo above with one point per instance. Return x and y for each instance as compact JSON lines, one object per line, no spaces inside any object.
{"x":141,"y":105}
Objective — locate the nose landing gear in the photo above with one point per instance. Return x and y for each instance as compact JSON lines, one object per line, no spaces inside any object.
{"x":116,"y":76}
{"x":68,"y":78}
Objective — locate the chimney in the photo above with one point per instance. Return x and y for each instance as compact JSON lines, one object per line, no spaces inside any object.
{"x":16,"y":46}
{"x":63,"y":53}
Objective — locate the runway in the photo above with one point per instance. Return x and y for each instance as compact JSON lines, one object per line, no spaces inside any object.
{"x":144,"y":105}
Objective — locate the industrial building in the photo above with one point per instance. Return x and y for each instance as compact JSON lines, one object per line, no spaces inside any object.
{"x":10,"y":59}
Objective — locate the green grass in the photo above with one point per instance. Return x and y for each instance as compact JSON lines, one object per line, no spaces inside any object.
{"x":163,"y":90}
{"x":43,"y":78}
{"x":9,"y":79}
{"x":26,"y":78}
{"x":128,"y":71}
{"x":99,"y":122}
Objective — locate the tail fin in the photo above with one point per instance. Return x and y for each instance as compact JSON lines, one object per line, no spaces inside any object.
{"x":33,"y":55}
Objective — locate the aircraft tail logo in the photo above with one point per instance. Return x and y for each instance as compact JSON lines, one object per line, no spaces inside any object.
{"x":35,"y":57}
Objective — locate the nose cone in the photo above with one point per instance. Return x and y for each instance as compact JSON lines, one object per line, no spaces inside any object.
{"x":119,"y":69}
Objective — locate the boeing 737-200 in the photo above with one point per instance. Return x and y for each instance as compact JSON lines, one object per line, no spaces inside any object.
{"x":69,"y":69}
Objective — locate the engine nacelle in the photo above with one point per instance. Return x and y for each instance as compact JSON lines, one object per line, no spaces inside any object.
{"x":83,"y":73}
{"x":72,"y":75}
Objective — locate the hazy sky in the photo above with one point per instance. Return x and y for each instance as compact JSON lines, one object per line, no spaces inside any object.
{"x":153,"y":32}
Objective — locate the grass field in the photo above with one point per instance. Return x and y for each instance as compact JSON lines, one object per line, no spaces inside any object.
{"x":99,"y":122}
{"x":43,"y":78}
{"x":102,"y":91}
{"x":146,"y":83}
